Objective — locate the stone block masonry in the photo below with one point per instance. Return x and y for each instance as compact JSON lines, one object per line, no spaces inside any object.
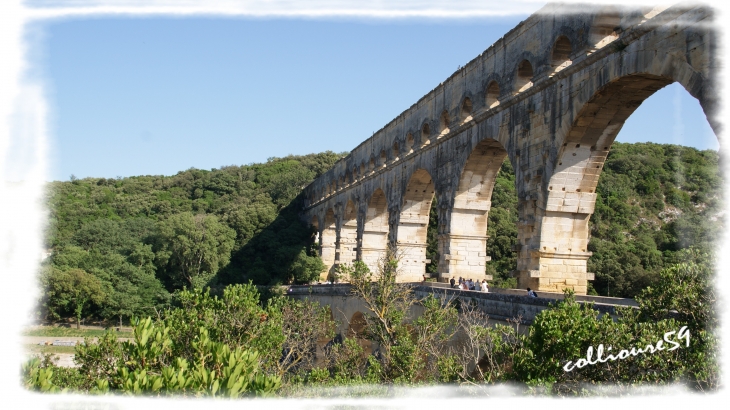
{"x":550,"y":96}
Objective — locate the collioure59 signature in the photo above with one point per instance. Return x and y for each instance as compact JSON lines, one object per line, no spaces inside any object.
{"x":623,"y":354}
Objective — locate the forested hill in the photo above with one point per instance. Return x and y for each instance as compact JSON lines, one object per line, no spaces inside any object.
{"x":130,"y":242}
{"x":139,"y":238}
{"x":653,"y":200}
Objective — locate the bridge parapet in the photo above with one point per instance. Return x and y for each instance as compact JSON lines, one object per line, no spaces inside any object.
{"x":500,"y":304}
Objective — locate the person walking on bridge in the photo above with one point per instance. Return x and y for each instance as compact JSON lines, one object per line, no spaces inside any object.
{"x":485,"y":287}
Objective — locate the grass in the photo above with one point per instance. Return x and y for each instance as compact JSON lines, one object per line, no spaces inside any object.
{"x":50,"y":331}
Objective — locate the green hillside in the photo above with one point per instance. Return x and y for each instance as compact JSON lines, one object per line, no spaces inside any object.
{"x":138,"y":239}
{"x":131,"y":242}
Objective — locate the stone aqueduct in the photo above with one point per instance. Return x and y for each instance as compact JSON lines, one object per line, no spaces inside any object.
{"x":550,"y":96}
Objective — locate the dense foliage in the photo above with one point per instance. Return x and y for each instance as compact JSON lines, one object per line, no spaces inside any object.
{"x":144,"y":237}
{"x":653,"y":200}
{"x":236,"y":345}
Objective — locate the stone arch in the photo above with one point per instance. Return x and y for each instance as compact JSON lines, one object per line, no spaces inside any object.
{"x":571,"y":188}
{"x":603,"y":29}
{"x":560,"y":56}
{"x":466,"y":109}
{"x":444,"y":122}
{"x":358,"y":325}
{"x":492,"y":99}
{"x":523,"y":79}
{"x":413,"y":226}
{"x":375,"y":230}
{"x":328,"y":247}
{"x":348,"y":233}
{"x":396,"y":151}
{"x":425,"y":134}
{"x":409,"y":143}
{"x":382,"y":159}
{"x":372,"y":164}
{"x":462,"y":248}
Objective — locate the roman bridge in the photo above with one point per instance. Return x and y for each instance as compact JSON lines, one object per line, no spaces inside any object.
{"x":550,"y":96}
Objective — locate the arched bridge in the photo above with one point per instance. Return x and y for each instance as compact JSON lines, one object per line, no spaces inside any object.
{"x":550,"y":96}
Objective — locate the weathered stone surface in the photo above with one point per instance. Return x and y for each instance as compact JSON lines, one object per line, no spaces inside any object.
{"x":551,"y":96}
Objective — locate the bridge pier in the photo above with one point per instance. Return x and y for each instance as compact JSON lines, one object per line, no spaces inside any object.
{"x":551,"y":97}
{"x":348,"y":239}
{"x":463,"y":256}
{"x":412,"y":261}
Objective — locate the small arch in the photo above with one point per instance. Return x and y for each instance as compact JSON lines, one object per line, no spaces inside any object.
{"x":444,"y":122}
{"x":372,"y":164}
{"x":409,"y":143}
{"x":524,"y":76}
{"x":561,"y":54}
{"x":604,"y":29}
{"x":492,"y":94}
{"x":466,"y":109}
{"x":357,"y":326}
{"x":425,"y":134}
{"x":382,"y":162}
{"x":354,"y":174}
{"x":396,"y":151}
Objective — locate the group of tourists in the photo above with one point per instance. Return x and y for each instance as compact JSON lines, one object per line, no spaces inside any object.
{"x":468,"y":284}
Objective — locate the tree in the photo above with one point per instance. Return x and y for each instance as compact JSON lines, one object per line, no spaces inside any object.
{"x":306,"y":268}
{"x":195,"y":247}
{"x":408,"y":350}
{"x":72,"y":289}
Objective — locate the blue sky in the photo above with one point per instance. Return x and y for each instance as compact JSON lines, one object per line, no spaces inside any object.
{"x":149,"y":96}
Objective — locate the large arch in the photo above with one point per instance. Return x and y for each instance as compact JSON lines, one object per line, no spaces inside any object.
{"x":413,"y":226}
{"x":462,"y":248}
{"x":348,"y":234}
{"x":562,"y":253}
{"x":375,"y":230}
{"x":328,"y":243}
